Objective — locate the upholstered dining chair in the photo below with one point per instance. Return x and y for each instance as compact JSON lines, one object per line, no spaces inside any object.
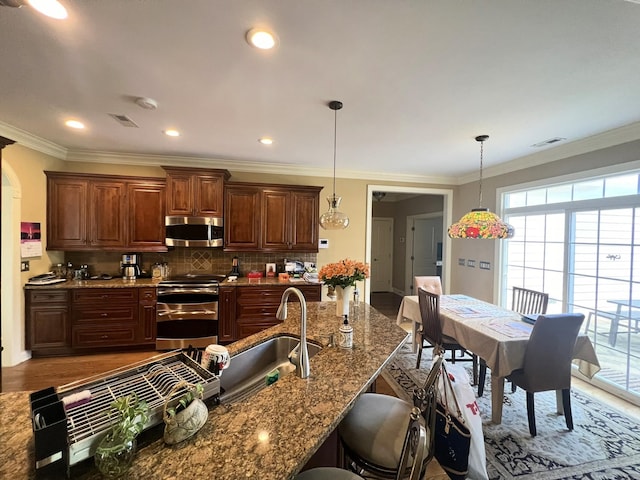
{"x":388,"y":437}
{"x":429,"y":283}
{"x":525,"y":302}
{"x":431,"y":332}
{"x":547,"y":362}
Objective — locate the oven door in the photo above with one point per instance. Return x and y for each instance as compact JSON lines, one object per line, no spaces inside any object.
{"x":186,"y":316}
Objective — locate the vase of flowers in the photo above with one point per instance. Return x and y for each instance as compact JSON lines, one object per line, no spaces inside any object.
{"x":343,"y":276}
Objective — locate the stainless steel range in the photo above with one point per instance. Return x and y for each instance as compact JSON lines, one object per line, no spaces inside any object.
{"x":187,"y":311}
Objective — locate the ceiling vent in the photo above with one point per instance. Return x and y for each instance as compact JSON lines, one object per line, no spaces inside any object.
{"x":123,"y":120}
{"x":551,"y":141}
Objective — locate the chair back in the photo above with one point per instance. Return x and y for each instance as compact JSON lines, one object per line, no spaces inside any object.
{"x":527,"y":302}
{"x":547,"y":360}
{"x":425,"y":399}
{"x":431,"y":328}
{"x":431,"y":284}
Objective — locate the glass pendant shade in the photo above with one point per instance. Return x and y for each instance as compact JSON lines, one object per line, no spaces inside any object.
{"x":481,"y":223}
{"x":333,"y":219}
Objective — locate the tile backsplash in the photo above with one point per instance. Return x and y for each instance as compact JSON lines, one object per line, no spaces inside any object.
{"x":186,"y":260}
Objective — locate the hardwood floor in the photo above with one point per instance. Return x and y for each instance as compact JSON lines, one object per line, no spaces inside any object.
{"x":39,"y":373}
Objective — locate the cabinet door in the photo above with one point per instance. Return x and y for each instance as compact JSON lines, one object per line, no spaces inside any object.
{"x":276,"y":220}
{"x":180,"y":194}
{"x":227,"y":315}
{"x":147,"y":316}
{"x":146,"y":217}
{"x":48,"y":327}
{"x":107,"y":214}
{"x":304,"y":221}
{"x":242,"y":227}
{"x":209,"y":194}
{"x":66,"y":213}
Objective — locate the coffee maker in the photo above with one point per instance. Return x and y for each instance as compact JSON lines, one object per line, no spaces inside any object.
{"x":130,"y":266}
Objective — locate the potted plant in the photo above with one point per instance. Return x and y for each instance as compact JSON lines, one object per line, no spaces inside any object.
{"x":117,"y":448}
{"x":187,"y":416}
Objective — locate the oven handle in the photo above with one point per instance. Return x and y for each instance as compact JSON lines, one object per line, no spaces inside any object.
{"x":164,"y":313}
{"x":188,"y":290}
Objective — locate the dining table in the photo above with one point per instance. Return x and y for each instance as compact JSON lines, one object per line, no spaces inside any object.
{"x":495,"y":334}
{"x":631,"y":316}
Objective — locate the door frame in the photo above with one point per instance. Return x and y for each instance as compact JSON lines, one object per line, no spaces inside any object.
{"x":390,"y":272}
{"x":447,"y":219}
{"x":407,"y":269}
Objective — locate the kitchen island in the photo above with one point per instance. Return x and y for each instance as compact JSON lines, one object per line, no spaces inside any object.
{"x":270,"y":436}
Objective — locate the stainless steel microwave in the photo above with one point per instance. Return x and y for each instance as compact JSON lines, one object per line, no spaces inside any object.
{"x":193,"y":231}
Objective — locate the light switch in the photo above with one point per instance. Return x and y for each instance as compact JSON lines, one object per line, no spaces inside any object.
{"x":461,"y":262}
{"x":471,"y":263}
{"x":485,"y":265}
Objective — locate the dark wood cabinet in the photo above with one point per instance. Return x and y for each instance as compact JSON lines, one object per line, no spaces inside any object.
{"x":271,"y":218}
{"x":146,"y":202}
{"x":147,"y":315}
{"x":242,"y":218}
{"x":47,"y":321}
{"x":105,"y":212}
{"x":195,"y":191}
{"x":227,"y":315}
{"x":256,"y":307}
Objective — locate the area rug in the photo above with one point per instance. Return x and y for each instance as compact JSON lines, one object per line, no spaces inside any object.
{"x":604,"y":445}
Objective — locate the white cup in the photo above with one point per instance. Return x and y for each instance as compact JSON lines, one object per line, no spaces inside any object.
{"x":216,"y":358}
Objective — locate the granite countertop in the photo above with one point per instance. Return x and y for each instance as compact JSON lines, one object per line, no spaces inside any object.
{"x":117,"y":282}
{"x":272,"y":435}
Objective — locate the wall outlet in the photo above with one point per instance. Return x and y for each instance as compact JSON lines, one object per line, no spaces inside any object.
{"x":471,"y":263}
{"x":24,"y":266}
{"x":485,"y":265}
{"x":461,"y":262}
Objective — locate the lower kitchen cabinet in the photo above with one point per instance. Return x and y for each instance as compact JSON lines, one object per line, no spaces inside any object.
{"x":256,"y":307}
{"x":227,"y":331}
{"x":48,"y":329}
{"x":62,"y":322}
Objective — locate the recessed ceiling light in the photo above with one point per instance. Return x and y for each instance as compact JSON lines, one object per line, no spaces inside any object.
{"x":50,"y":8}
{"x":266,"y":140}
{"x":74,"y":124}
{"x":172,"y":133}
{"x":261,"y":38}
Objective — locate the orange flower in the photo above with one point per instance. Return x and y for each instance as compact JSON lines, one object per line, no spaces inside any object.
{"x":344,"y":273}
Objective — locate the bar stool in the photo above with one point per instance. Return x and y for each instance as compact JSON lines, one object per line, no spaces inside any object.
{"x":374,"y":434}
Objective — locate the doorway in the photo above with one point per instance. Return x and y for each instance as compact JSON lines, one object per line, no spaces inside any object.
{"x":381,"y":254}
{"x":424,"y":248}
{"x":398,"y":282}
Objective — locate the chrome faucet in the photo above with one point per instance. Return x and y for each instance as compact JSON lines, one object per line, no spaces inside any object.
{"x":301,"y":360}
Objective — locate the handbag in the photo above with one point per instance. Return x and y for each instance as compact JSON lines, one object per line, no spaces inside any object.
{"x":452,"y":436}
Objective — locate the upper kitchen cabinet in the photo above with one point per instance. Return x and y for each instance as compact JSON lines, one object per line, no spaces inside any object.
{"x":195,"y":192}
{"x":104,"y":212}
{"x":271,"y":218}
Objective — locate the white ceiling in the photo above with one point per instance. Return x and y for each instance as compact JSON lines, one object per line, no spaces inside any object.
{"x":419,"y":79}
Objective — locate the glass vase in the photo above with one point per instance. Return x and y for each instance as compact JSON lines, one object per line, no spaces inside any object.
{"x":114,"y":455}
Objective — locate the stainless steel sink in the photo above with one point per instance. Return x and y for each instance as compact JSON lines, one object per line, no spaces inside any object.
{"x":248,"y":370}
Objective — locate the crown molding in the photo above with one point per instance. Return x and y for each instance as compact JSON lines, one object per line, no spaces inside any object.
{"x":32,"y":141}
{"x":617,"y":136}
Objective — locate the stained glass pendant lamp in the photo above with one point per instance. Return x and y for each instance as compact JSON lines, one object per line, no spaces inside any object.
{"x":480,"y":222}
{"x":334,"y":219}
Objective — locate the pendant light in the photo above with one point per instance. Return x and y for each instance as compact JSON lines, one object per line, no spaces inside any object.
{"x":333,"y":219}
{"x":480,"y":222}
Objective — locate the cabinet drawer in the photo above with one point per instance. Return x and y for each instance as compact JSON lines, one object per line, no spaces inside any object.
{"x":102,"y":315}
{"x":245,"y":312}
{"x":115,"y":335}
{"x":244,"y":330}
{"x":48,"y":296}
{"x":263,"y":296}
{"x":96,"y":295}
{"x":148,"y":295}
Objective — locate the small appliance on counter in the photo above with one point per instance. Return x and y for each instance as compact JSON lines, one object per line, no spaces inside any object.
{"x":235,"y":268}
{"x":130,"y":266}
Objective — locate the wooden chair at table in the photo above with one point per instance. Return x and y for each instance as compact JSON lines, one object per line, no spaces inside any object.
{"x":547,"y":362}
{"x":525,"y":302}
{"x":431,"y":331}
{"x":386,"y":436}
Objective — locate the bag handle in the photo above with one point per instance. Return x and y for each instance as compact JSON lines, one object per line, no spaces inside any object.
{"x":449,"y":386}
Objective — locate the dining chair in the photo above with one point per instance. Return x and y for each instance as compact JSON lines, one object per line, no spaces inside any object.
{"x":525,"y":302}
{"x":547,"y":362}
{"x":388,"y":437}
{"x":430,"y":283}
{"x":431,"y":332}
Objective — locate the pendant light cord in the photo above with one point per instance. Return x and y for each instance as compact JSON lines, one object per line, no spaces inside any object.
{"x":481,"y":156}
{"x":335,"y":135}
